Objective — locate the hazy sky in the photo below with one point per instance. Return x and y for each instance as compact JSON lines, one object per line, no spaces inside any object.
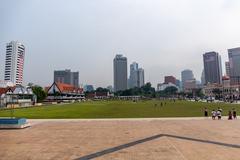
{"x":163,"y":36}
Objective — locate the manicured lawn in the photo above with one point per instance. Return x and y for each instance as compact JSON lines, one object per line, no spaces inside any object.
{"x":120,"y":109}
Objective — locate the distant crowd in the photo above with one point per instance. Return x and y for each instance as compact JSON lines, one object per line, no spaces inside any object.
{"x":217,"y":114}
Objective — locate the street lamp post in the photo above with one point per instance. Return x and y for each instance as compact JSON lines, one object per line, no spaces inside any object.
{"x":10,"y":101}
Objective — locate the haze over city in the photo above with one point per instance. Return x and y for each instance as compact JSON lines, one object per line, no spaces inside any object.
{"x":86,"y":35}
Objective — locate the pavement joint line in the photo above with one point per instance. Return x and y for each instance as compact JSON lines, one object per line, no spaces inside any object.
{"x":204,"y":141}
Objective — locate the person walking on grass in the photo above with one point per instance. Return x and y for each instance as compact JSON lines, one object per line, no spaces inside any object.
{"x":234,"y":113}
{"x":230,"y":115}
{"x":213,"y":114}
{"x":206,"y":112}
{"x":219,"y":114}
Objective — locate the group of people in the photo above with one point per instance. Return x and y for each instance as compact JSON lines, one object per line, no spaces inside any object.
{"x":232,"y":114}
{"x":161,"y":104}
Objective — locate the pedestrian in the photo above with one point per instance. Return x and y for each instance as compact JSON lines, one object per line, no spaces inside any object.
{"x":219,"y":115}
{"x":220,"y":109}
{"x":230,"y":115}
{"x":213,"y":114}
{"x":234,"y":114}
{"x":161,"y":104}
{"x":206,"y":112}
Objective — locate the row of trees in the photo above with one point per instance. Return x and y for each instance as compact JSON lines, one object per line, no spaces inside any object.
{"x":99,"y":89}
{"x":147,"y":90}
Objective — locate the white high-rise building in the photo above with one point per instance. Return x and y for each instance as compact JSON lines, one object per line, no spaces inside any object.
{"x":14,"y":62}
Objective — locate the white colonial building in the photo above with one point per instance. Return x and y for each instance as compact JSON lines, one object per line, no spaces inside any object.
{"x":17,"y":96}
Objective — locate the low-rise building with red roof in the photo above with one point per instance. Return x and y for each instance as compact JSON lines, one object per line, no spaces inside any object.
{"x":62,"y":91}
{"x":17,"y":96}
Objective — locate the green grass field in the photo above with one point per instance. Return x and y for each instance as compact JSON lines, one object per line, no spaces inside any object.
{"x":119,"y":109}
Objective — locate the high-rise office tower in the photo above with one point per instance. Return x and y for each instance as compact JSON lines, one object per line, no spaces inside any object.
{"x":203,"y":82}
{"x":212,"y":67}
{"x":67,"y":77}
{"x":120,"y":73}
{"x":133,"y":78}
{"x":14,"y":62}
{"x":136,"y":78}
{"x":186,"y":75}
{"x":140,"y":77}
{"x":234,"y":64}
{"x":227,"y":67}
{"x":133,"y":67}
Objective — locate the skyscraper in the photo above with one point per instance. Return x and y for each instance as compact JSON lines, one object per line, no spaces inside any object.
{"x":227,"y":67}
{"x":212,"y":67}
{"x":133,"y":78}
{"x":120,"y":73}
{"x":186,"y":75}
{"x":14,"y":62}
{"x":234,"y":64}
{"x":133,"y":67}
{"x":67,"y":77}
{"x":140,"y":77}
{"x":203,"y":78}
{"x":136,"y":78}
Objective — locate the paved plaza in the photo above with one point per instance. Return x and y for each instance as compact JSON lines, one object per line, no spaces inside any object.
{"x":130,"y":139}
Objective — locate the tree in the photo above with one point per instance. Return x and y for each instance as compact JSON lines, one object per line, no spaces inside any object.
{"x":39,"y":92}
{"x":199,"y":93}
{"x":170,"y":90}
{"x":147,"y":90}
{"x":100,"y":89}
{"x":30,"y":84}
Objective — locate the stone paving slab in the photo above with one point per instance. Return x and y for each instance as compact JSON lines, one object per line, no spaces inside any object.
{"x":139,"y":139}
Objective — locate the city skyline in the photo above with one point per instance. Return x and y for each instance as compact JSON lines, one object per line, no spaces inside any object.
{"x":145,"y":33}
{"x":133,"y":66}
